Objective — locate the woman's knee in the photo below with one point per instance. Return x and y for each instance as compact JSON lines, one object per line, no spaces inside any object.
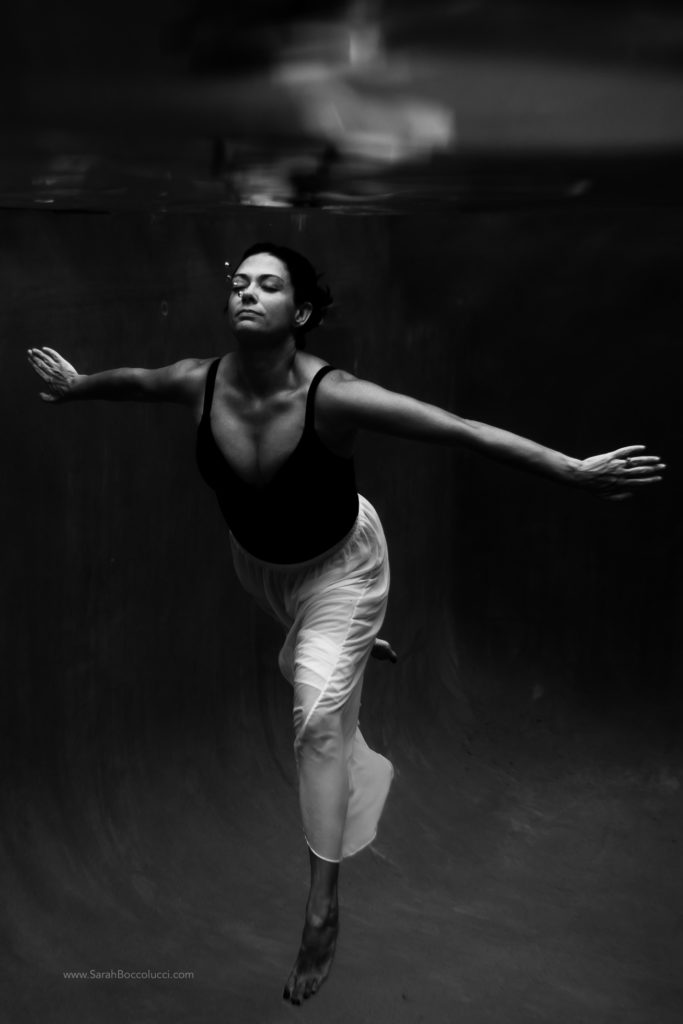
{"x":320,"y":734}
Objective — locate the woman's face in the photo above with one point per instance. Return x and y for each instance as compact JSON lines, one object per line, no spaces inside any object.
{"x":261,"y":300}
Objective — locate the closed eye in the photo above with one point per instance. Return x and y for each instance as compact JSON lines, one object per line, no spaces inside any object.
{"x":269,"y":283}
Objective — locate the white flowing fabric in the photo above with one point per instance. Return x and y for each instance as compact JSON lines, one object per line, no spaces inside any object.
{"x":333,"y":608}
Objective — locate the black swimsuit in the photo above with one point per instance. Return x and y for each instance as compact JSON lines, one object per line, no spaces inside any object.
{"x":304,"y":510}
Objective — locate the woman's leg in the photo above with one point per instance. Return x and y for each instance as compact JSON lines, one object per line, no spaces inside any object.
{"x":342,"y":783}
{"x":321,"y":750}
{"x":319,"y":936}
{"x":334,"y":611}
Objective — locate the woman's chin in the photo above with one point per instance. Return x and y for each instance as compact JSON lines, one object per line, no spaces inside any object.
{"x":246,"y":327}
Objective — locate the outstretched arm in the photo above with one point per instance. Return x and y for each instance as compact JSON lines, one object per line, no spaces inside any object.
{"x":353,"y":404}
{"x":63,"y":383}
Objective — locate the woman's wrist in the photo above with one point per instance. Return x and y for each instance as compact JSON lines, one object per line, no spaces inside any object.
{"x":572,"y":471}
{"x":76,"y":388}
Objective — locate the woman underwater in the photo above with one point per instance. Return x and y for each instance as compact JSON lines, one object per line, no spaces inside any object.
{"x":275,"y":440}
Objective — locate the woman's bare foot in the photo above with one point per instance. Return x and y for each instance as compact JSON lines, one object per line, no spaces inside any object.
{"x":315,"y":955}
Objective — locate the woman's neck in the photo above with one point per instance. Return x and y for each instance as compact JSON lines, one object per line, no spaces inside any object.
{"x":264,"y":371}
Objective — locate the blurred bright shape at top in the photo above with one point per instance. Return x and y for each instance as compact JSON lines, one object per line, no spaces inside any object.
{"x":352,"y":96}
{"x":298,"y":102}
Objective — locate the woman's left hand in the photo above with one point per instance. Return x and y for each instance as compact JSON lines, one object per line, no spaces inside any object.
{"x":617,"y":474}
{"x":383,"y":651}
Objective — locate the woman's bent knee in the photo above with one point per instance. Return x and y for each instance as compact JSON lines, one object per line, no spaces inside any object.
{"x":321,"y":736}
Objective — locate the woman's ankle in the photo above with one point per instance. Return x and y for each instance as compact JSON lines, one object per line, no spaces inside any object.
{"x":321,"y":908}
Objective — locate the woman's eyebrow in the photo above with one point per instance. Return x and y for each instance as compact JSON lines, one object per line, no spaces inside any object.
{"x":261,"y":277}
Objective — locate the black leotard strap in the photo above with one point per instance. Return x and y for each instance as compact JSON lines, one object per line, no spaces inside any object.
{"x":209,"y":386}
{"x":310,"y":399}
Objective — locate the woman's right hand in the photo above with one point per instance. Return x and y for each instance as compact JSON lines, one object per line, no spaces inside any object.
{"x":58,"y":374}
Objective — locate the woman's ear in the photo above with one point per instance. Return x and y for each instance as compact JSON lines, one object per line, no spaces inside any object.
{"x":303,"y":313}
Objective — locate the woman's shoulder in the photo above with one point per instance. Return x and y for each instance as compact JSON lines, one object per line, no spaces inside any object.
{"x":330,"y":405}
{"x":311,"y":365}
{"x":191,"y":373}
{"x":192,"y":366}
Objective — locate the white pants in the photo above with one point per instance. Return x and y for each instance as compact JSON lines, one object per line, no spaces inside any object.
{"x":333,"y":608}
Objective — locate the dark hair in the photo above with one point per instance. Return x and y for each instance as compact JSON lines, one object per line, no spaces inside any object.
{"x":305,"y":282}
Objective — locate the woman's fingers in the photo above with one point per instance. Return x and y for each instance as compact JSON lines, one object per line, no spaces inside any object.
{"x":42,"y":371}
{"x":59,"y":362}
{"x":47,"y":375}
{"x":48,"y":371}
{"x":620,"y":495}
{"x":38,"y":358}
{"x":640,"y":464}
{"x":48,"y":354}
{"x":634,"y":472}
{"x":637,"y":481}
{"x":53,"y":359}
{"x":55,"y":371}
{"x":47,"y":357}
{"x":55,"y":355}
{"x":628,"y":450}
